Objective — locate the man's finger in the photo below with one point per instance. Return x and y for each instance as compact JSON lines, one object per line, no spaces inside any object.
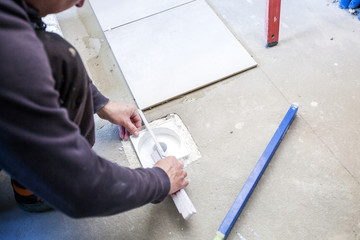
{"x":136,"y":120}
{"x":186,"y":182}
{"x":132,"y":129}
{"x":121,"y":132}
{"x":127,"y":134}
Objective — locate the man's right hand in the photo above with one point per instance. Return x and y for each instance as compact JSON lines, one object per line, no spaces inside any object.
{"x":175,"y":171}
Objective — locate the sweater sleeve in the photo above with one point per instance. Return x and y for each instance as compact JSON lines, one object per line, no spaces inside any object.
{"x":43,"y":150}
{"x":98,"y":99}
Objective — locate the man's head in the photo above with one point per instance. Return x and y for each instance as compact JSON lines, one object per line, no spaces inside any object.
{"x":46,"y":7}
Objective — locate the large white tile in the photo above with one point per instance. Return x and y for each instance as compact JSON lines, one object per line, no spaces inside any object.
{"x":175,"y":52}
{"x":114,"y":13}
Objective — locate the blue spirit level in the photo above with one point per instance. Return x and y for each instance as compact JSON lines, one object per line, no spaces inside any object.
{"x":248,"y":188}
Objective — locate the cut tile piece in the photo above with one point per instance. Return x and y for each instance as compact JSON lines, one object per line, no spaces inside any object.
{"x":167,"y":134}
{"x":173,"y":144}
{"x":114,"y":13}
{"x":175,"y":52}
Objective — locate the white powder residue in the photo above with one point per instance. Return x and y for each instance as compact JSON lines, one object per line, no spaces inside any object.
{"x":314,"y":104}
{"x":284,"y":25}
{"x":241,"y":236}
{"x":239,"y":125}
{"x":253,"y":231}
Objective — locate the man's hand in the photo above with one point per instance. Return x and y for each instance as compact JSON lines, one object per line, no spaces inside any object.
{"x":124,"y":115}
{"x":175,"y":171}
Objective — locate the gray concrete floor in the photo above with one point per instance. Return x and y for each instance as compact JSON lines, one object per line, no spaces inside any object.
{"x":311,"y":189}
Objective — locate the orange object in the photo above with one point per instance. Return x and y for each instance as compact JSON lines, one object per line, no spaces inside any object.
{"x":272,"y":22}
{"x":21,"y":191}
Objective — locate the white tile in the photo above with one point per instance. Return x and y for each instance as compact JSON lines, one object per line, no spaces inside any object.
{"x":175,"y":52}
{"x":113,"y":13}
{"x":166,"y":132}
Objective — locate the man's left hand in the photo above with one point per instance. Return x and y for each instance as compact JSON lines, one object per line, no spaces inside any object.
{"x":124,"y":115}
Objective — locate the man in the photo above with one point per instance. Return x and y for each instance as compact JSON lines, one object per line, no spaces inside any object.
{"x":47,"y":103}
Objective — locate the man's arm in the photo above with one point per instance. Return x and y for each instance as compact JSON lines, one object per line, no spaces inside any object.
{"x":99,"y":100}
{"x":43,"y":150}
{"x":122,"y":114}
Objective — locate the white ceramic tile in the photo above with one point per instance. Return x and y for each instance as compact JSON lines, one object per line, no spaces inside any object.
{"x":166,"y":132}
{"x":113,"y":13}
{"x":175,"y":52}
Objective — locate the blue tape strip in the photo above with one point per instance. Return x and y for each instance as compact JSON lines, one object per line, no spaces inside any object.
{"x":257,"y":172}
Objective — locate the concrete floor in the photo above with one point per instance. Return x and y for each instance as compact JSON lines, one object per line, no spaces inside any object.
{"x":311,"y":189}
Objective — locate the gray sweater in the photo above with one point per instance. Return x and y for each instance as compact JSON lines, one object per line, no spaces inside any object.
{"x":44,"y":150}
